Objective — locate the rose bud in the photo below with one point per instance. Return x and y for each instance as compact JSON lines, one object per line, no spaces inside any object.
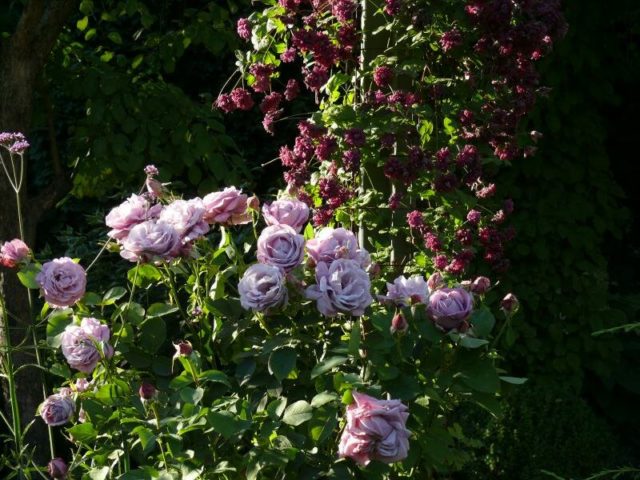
{"x":183,"y":349}
{"x":82,"y":385}
{"x":147,"y":391}
{"x":82,"y":416}
{"x":57,"y":468}
{"x":510,"y":304}
{"x":374,"y":270}
{"x":253,"y":203}
{"x":480,"y":285}
{"x":399,"y":324}
{"x":435,"y":281}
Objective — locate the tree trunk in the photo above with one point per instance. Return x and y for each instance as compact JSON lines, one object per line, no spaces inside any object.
{"x":22,"y":59}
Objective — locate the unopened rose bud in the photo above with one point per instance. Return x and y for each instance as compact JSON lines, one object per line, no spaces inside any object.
{"x":183,"y":349}
{"x":253,"y":203}
{"x":57,"y":468}
{"x":147,"y":391}
{"x":480,"y":285}
{"x":510,"y":304}
{"x":399,"y":324}
{"x":374,"y":270}
{"x":435,"y":282}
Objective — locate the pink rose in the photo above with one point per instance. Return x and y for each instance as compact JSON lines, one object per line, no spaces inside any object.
{"x":342,"y":286}
{"x":406,"y":291}
{"x":80,"y":344}
{"x":13,"y":252}
{"x":375,"y":430}
{"x":186,"y":217}
{"x":151,"y":241}
{"x":286,"y":212}
{"x":133,"y":211}
{"x":228,"y":207}
{"x":62,"y":281}
{"x":450,"y":308}
{"x":331,"y":244}
{"x":58,"y":408}
{"x":262,"y":287}
{"x":280,"y":246}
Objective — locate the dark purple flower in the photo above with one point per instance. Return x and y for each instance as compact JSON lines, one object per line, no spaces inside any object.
{"x":244,"y":28}
{"x":382,"y":76}
{"x":242,"y":99}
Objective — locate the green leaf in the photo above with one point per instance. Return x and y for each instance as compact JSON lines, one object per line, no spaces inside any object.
{"x":326,"y":365}
{"x":113,"y":294}
{"x":82,"y":24}
{"x":153,"y":334}
{"x":282,"y":362}
{"x":226,"y":424}
{"x":482,"y":322}
{"x":160,"y":310}
{"x":215,"y":376}
{"x":111,"y":394}
{"x":192,"y":395}
{"x":27,"y":277}
{"x":144,"y":275}
{"x":468,"y":342}
{"x":115,"y":38}
{"x":297,"y":413}
{"x":323,"y":398}
{"x":83,"y":432}
{"x":354,"y":339}
{"x":514,"y":380}
{"x":481,"y":375}
{"x":99,"y":473}
{"x":56,"y":324}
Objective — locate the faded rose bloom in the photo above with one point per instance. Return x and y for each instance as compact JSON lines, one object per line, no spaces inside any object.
{"x":280,"y":246}
{"x":480,"y":285}
{"x":80,"y":344}
{"x":228,"y":207}
{"x":62,"y":282}
{"x":147,"y":391}
{"x":343,"y":286}
{"x":133,"y":211}
{"x":14,"y":252}
{"x":58,"y":408}
{"x":262,"y":287}
{"x":510,"y":304}
{"x":82,"y":385}
{"x":186,"y":217}
{"x":183,"y":349}
{"x":150,"y":241}
{"x":331,"y":244}
{"x":399,"y":324}
{"x":450,"y":308}
{"x":375,"y":430}
{"x":286,"y":212}
{"x":57,"y":468}
{"x":406,"y":291}
{"x":435,"y":281}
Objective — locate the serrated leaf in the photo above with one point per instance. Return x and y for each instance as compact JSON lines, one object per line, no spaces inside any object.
{"x":83,"y":432}
{"x":297,"y":413}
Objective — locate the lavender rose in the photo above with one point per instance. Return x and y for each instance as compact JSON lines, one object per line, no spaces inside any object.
{"x":450,"y":308}
{"x":58,"y":408}
{"x":13,"y":252}
{"x":280,"y":246}
{"x":262,"y":287}
{"x":331,"y":244}
{"x":80,"y":344}
{"x":186,"y":217}
{"x":342,"y":286}
{"x":230,"y":206}
{"x":62,"y":282}
{"x":151,"y":240}
{"x":375,"y":430}
{"x":133,"y":211}
{"x":406,"y":291}
{"x":57,"y":468}
{"x":286,"y":212}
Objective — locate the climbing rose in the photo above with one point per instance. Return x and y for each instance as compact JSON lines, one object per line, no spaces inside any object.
{"x":80,"y":344}
{"x":186,"y":217}
{"x":151,"y":241}
{"x":342,"y":286}
{"x":262,"y":287}
{"x":406,"y":291}
{"x":375,"y":430}
{"x":13,"y":252}
{"x":58,"y":408}
{"x":228,"y":206}
{"x":62,"y":282}
{"x":286,"y":212}
{"x":280,"y":246}
{"x":450,"y":308}
{"x":133,"y":211}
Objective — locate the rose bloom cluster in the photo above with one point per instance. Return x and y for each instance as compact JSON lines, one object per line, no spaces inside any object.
{"x":149,"y":231}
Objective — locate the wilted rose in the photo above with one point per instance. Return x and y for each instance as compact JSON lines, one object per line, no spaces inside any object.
{"x":286,"y":212}
{"x":342,"y":286}
{"x":80,"y":344}
{"x":58,"y":408}
{"x":375,"y":430}
{"x":262,"y":287}
{"x":62,"y":281}
{"x":227,"y":207}
{"x":13,"y":252}
{"x":331,"y":244}
{"x":280,"y":246}
{"x":57,"y":468}
{"x":186,"y":217}
{"x":450,"y":308}
{"x":133,"y":211}
{"x":406,"y":291}
{"x":151,"y":241}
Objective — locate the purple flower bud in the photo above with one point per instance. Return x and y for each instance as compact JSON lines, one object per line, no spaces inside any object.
{"x":183,"y":349}
{"x":147,"y":391}
{"x":480,"y":285}
{"x":435,"y":282}
{"x":151,"y":170}
{"x":399,"y":324}
{"x":57,"y":468}
{"x":510,"y":304}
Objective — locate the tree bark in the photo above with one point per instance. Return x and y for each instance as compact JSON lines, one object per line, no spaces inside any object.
{"x":23,"y":56}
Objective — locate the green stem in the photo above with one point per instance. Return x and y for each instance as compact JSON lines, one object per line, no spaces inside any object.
{"x":154,"y":409}
{"x":263,"y":323}
{"x":502,"y":330}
